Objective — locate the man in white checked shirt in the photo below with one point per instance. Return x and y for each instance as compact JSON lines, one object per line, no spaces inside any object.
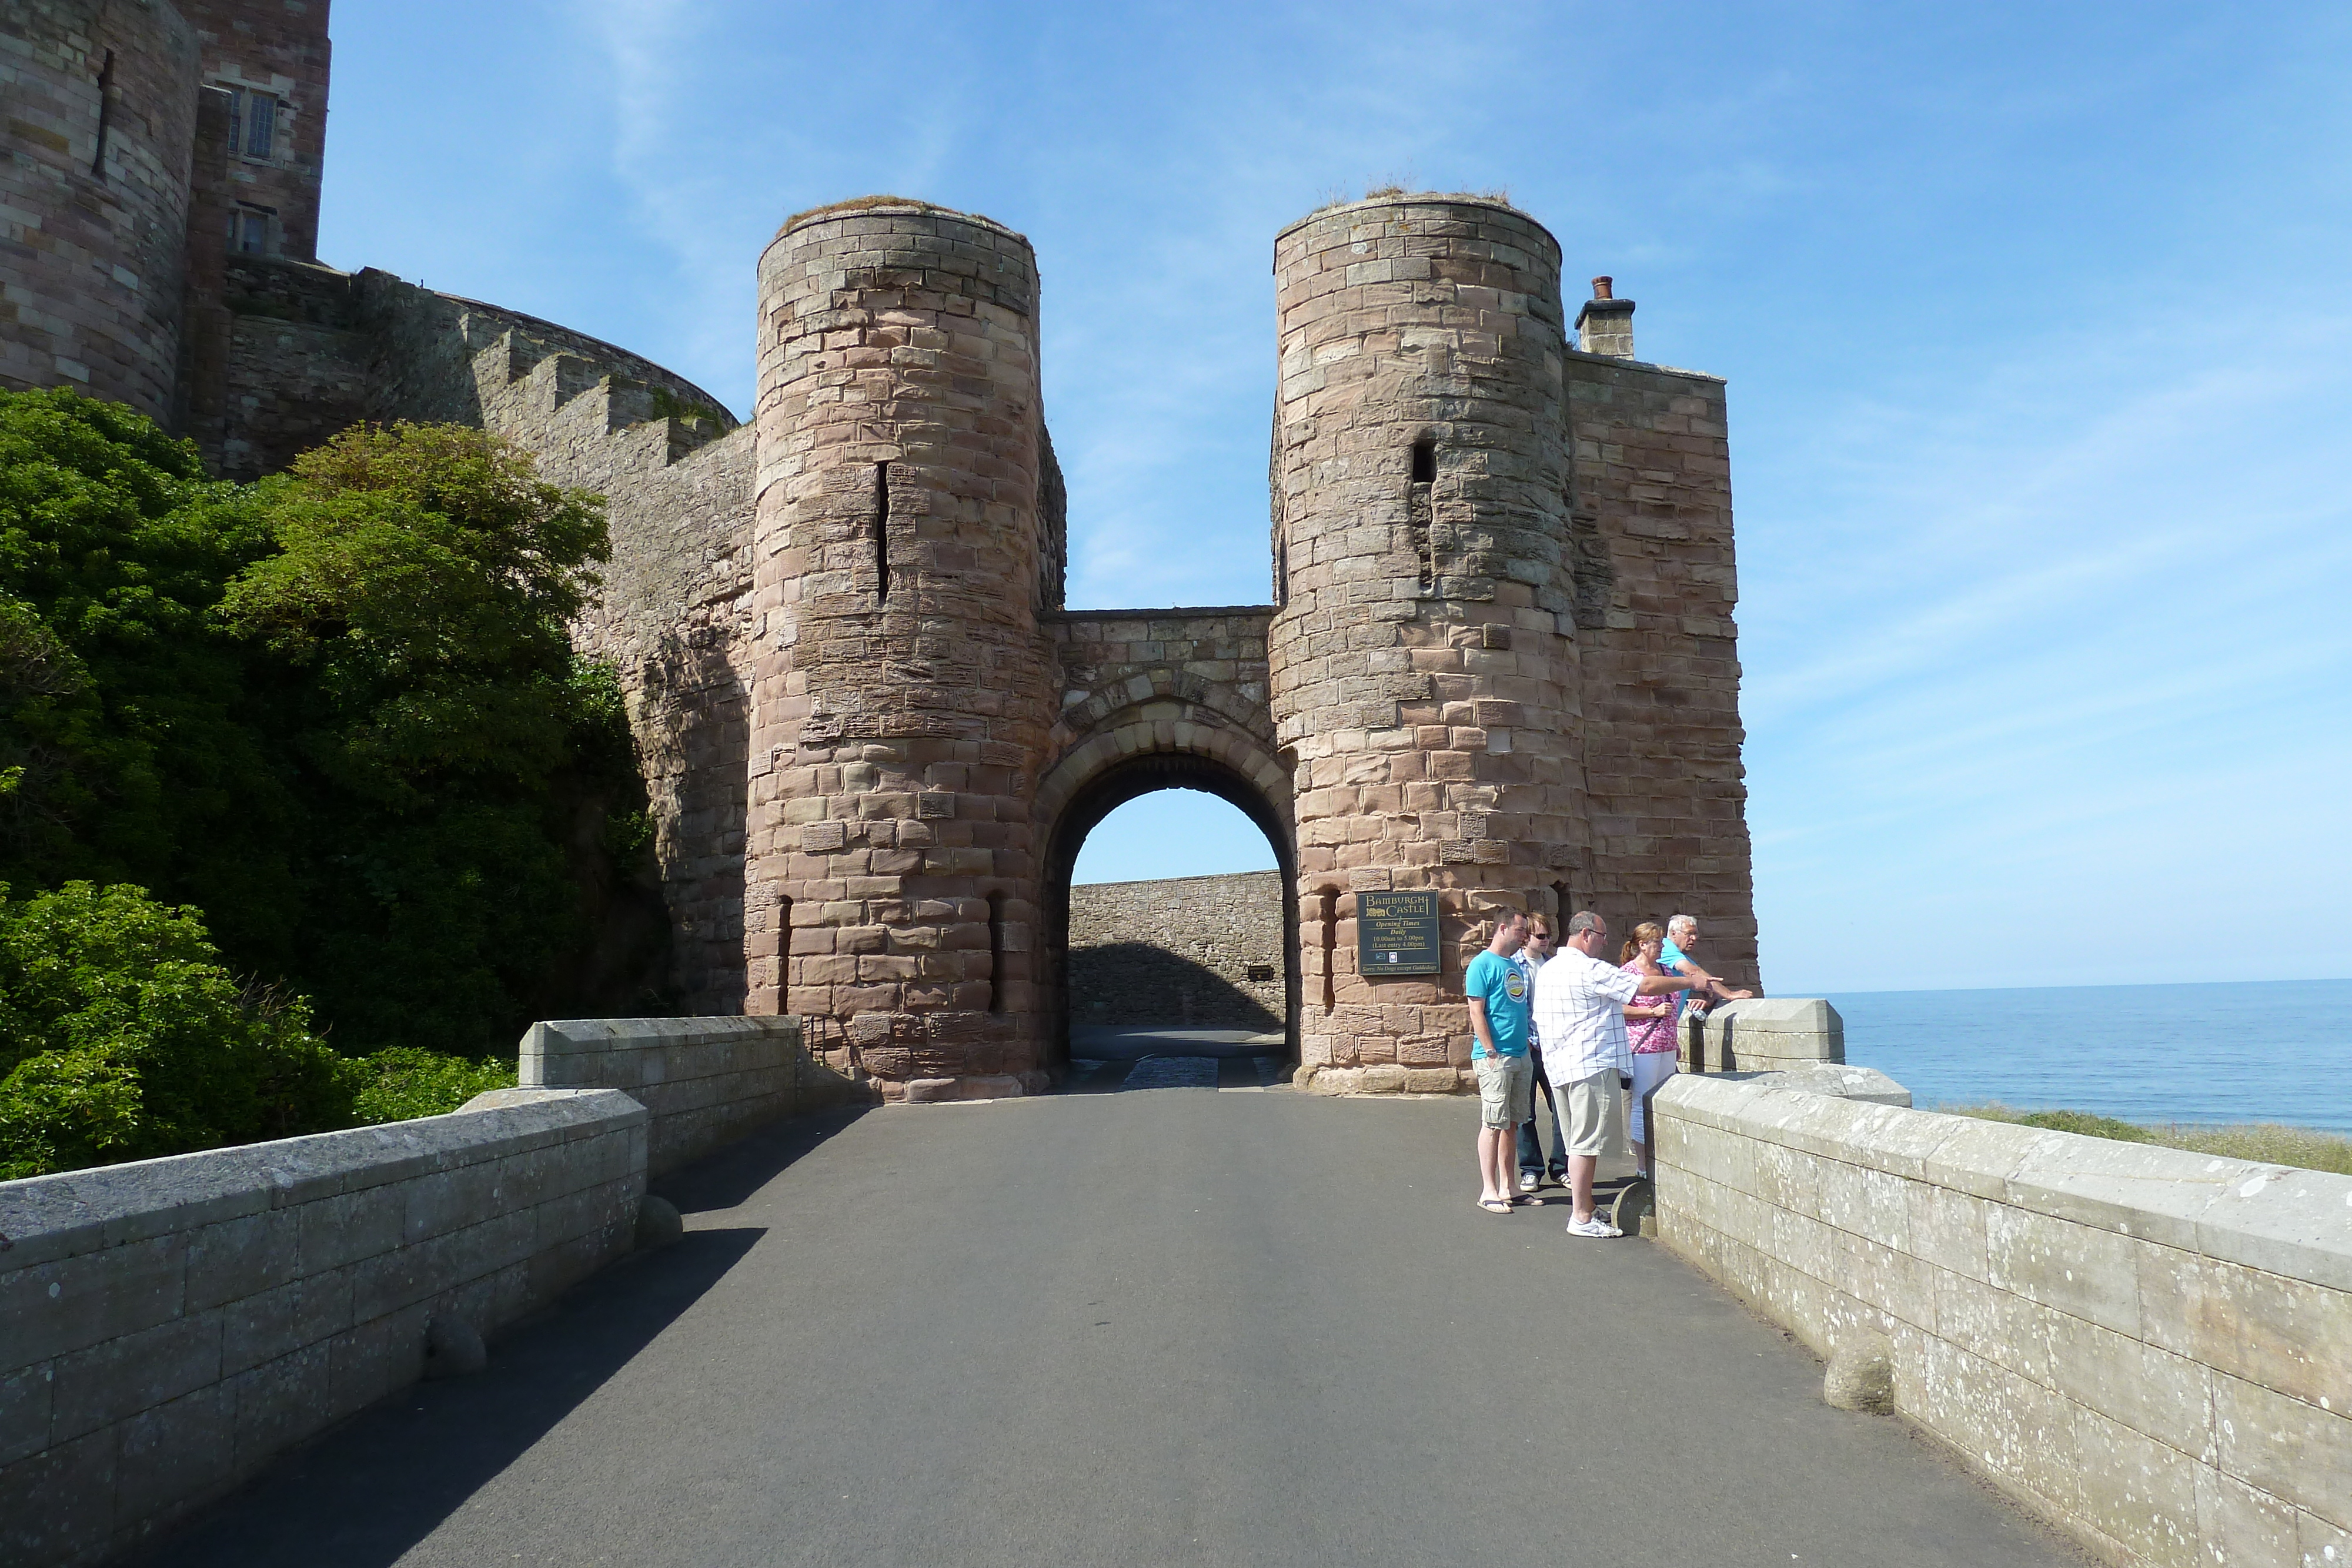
{"x":1580,"y":1017}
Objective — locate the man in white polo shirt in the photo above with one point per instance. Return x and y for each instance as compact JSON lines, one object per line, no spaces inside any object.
{"x":1580,"y":1017}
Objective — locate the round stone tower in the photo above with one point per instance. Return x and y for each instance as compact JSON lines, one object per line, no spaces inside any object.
{"x":1422,"y":654}
{"x":900,"y":696}
{"x":102,"y":104}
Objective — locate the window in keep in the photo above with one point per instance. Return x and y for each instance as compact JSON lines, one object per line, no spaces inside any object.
{"x":252,"y":123}
{"x":249,"y":230}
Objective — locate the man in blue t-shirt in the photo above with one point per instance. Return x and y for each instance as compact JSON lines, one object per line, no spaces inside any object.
{"x":1499,"y":999}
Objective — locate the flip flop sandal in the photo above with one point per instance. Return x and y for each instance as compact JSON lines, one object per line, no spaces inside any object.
{"x":1496,"y":1205}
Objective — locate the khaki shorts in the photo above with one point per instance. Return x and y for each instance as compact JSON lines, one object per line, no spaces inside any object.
{"x":1503,"y":1090}
{"x":1596,"y":1115}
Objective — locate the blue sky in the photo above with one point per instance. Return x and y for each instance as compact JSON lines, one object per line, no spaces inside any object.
{"x":2037,"y":321}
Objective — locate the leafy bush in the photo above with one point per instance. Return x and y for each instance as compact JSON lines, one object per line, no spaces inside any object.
{"x":443,"y":735}
{"x":408,"y":1082}
{"x":128,"y":712}
{"x":122,"y":1037}
{"x":337,"y":711}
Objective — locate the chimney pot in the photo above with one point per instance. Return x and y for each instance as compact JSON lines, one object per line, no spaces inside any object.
{"x":1605,"y":324}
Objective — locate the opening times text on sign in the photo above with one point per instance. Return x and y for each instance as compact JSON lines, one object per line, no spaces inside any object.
{"x":1396,"y":933}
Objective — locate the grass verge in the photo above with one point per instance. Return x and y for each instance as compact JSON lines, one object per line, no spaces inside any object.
{"x":2267,"y":1141}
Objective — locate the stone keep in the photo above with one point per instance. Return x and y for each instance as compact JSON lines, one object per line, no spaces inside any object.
{"x":1501,"y":665}
{"x":1423,"y":647}
{"x":900,"y":689}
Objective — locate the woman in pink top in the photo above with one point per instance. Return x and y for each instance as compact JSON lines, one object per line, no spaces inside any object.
{"x":1650,"y":1028}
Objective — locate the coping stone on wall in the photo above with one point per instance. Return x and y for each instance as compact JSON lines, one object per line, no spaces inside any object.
{"x":63,"y":1215}
{"x":1835,"y":1079}
{"x":705,"y":1081}
{"x":1772,"y":1032}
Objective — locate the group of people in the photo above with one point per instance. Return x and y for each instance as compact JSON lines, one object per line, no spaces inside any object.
{"x":1563,"y":1021}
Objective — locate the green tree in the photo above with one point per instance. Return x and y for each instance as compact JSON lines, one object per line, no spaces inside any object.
{"x":128,"y":712}
{"x":123,"y":1038}
{"x":338,"y":712}
{"x":449,"y":738}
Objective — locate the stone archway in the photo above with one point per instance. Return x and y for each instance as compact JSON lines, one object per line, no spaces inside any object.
{"x":1075,"y":800}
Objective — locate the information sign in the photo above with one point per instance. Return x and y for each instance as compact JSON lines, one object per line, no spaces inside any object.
{"x":1396,"y":933}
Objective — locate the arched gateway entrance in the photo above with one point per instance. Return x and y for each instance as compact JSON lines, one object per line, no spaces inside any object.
{"x":1499,"y":660}
{"x":1104,"y":794}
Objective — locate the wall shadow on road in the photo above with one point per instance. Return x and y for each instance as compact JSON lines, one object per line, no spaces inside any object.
{"x":730,"y":1177}
{"x":369,"y":1491}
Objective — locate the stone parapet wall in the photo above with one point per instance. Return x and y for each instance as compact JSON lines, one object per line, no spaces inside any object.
{"x":2151,"y":1347}
{"x":169,"y":1326}
{"x":1655,"y":581}
{"x":705,"y":1081}
{"x":1179,"y":951}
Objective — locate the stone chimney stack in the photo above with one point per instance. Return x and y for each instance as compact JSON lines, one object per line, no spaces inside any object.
{"x":1605,"y":324}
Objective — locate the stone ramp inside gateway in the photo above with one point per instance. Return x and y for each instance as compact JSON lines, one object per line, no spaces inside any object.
{"x":1107,"y":1059}
{"x":1136,"y":1328}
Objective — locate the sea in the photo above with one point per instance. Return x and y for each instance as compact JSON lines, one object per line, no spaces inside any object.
{"x":2276,"y":1050}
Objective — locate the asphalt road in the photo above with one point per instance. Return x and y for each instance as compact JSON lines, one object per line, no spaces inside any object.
{"x":1179,"y":1326}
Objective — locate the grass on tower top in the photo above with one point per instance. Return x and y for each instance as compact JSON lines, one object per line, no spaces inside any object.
{"x":861,"y":204}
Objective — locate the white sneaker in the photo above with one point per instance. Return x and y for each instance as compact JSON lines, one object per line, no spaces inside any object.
{"x":1529,"y":1182}
{"x":1596,"y":1226}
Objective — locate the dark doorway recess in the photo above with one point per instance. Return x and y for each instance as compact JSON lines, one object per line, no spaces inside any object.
{"x":1109,"y":790}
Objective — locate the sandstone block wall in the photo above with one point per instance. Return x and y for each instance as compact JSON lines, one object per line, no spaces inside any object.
{"x":705,"y":1081}
{"x":93,"y":242}
{"x":1180,"y":951}
{"x":900,"y":691}
{"x":1423,"y":652}
{"x":1655,"y":581}
{"x":2151,"y":1347}
{"x":169,"y":1326}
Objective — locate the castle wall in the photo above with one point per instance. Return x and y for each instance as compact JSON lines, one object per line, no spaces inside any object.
{"x":1179,"y":951}
{"x":1423,"y":660}
{"x":1660,"y":656}
{"x":900,"y":690}
{"x":92,"y":247}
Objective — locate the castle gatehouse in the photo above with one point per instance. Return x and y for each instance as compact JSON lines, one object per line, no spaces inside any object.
{"x":1499,"y":664}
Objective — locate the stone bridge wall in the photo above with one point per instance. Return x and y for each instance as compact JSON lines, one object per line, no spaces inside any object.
{"x":2151,"y":1347}
{"x":167,"y":1327}
{"x":705,"y":1081}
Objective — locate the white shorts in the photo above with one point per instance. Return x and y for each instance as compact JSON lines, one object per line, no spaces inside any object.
{"x":1650,"y":1070}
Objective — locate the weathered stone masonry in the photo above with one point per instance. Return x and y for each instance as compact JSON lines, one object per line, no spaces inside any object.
{"x":1500,"y":664}
{"x":1198,"y":952}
